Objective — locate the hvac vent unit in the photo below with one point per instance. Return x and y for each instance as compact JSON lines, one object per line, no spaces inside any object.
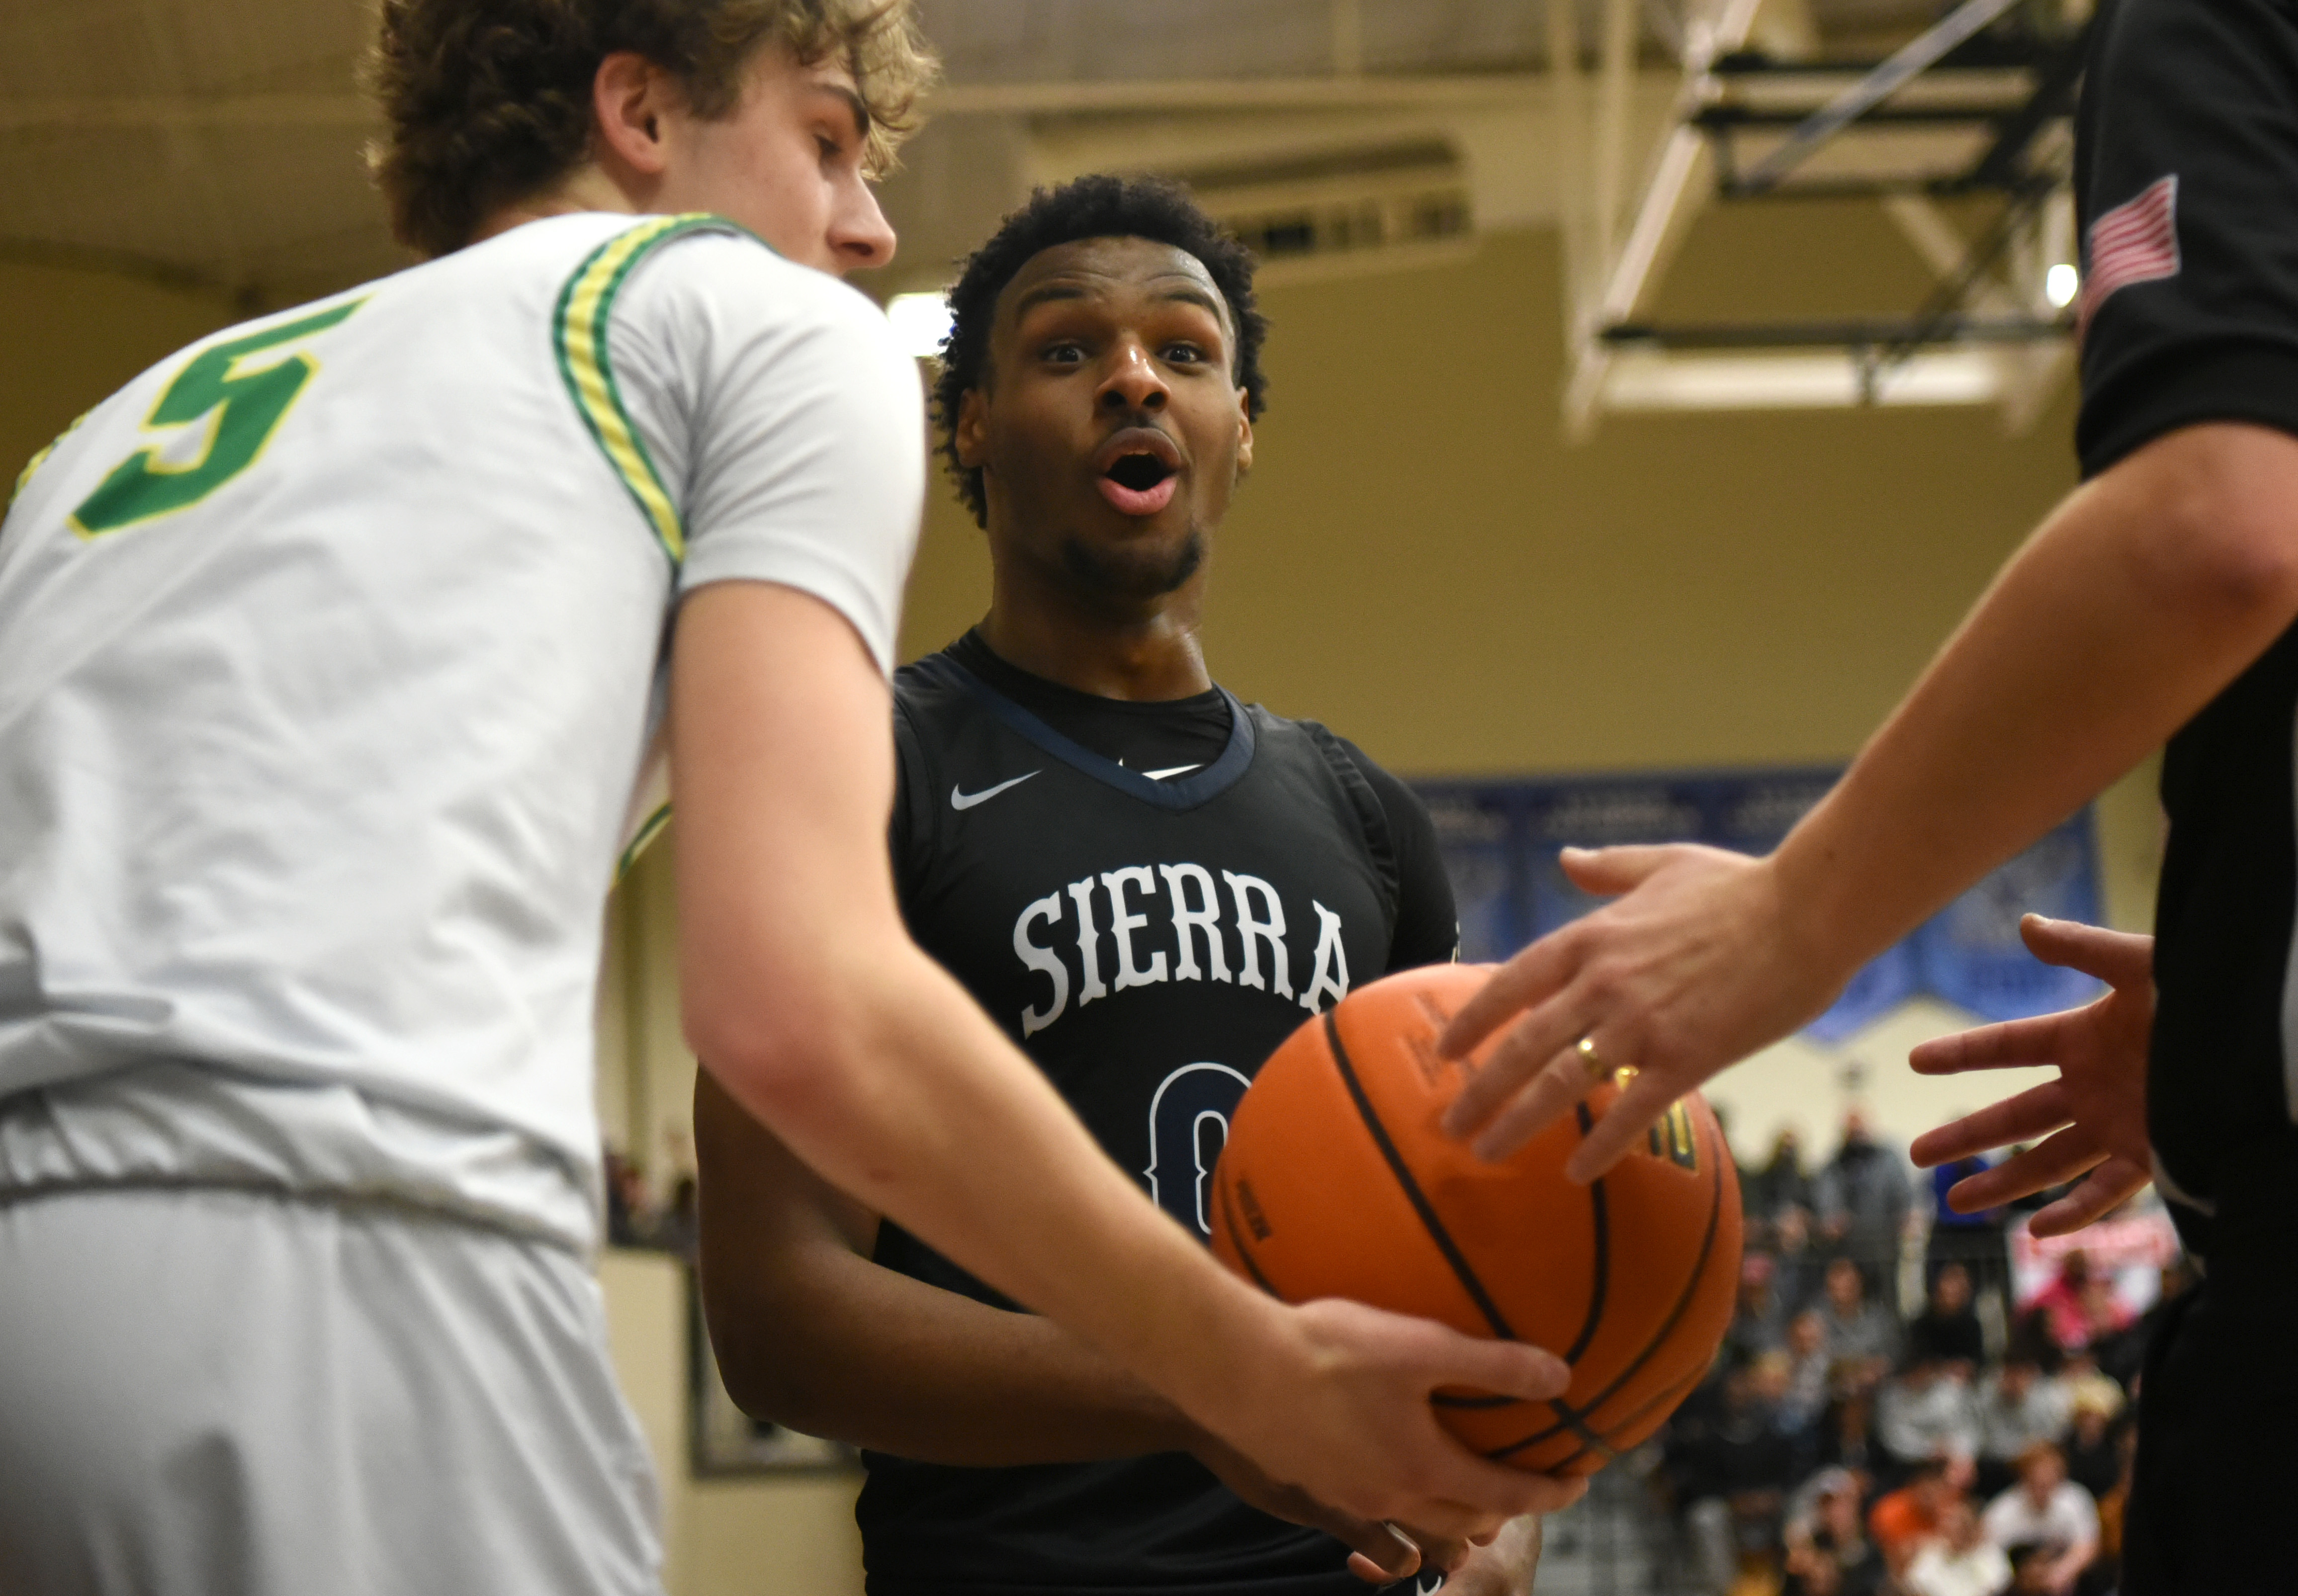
{"x":1342,"y":208}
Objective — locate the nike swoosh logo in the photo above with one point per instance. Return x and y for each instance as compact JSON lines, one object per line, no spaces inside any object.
{"x":1179,"y":770}
{"x":966,"y":800}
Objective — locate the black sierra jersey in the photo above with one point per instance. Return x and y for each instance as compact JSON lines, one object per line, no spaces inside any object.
{"x":1148,"y":933}
{"x":2188,"y":180}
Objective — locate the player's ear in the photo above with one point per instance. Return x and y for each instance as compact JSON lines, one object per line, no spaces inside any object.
{"x":971,"y":433}
{"x":1244,"y":432}
{"x":628,"y":97}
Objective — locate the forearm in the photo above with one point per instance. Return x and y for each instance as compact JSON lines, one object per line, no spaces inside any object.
{"x":920,"y":1108}
{"x":859,"y":1353}
{"x":2127,"y":611}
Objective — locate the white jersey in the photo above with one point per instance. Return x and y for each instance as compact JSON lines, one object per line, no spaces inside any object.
{"x":328,"y":649}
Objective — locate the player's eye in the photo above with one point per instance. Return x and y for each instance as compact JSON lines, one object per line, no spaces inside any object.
{"x":1064,"y":353}
{"x":1184,"y":354}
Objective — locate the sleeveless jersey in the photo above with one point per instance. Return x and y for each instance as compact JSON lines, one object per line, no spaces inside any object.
{"x":2190,"y":305}
{"x":328,"y":649}
{"x":1147,"y":942}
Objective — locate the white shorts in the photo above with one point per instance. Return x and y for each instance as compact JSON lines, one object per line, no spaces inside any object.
{"x":212,"y":1393}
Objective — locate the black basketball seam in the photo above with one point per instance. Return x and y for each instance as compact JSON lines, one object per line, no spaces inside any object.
{"x":1675,"y":1392}
{"x":1461,"y":1270}
{"x":1573,"y":1418}
{"x":1603,"y":1251}
{"x":1243,"y":1252}
{"x":1602,"y":1272}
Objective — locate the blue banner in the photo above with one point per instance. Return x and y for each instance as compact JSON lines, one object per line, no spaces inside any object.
{"x":1500,"y":840}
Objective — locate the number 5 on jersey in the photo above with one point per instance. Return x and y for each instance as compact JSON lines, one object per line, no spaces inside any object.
{"x":242,"y":409}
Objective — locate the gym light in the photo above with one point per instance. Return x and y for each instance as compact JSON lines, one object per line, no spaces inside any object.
{"x":921,"y":321}
{"x":2060,"y":283}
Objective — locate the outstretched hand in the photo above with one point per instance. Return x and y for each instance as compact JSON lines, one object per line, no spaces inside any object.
{"x":2092,"y":1119}
{"x":1693,"y":968}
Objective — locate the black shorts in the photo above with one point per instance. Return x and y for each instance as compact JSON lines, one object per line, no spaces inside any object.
{"x":2211,"y":1510}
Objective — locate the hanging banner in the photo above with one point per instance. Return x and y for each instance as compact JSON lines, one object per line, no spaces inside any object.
{"x":1500,"y":840}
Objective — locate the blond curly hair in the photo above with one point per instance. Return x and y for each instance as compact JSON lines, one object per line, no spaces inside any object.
{"x":488,"y":102}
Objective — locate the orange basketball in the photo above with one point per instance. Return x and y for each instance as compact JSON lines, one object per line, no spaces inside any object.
{"x":1337,"y":1182}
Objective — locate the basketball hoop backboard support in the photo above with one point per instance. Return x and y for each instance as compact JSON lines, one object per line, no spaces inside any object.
{"x":1956,"y":112}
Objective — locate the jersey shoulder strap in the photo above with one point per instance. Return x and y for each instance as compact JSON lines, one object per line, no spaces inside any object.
{"x":1380,"y":843}
{"x":926,"y":705}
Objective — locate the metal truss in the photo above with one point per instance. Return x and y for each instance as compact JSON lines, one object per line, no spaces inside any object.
{"x":1978,"y":104}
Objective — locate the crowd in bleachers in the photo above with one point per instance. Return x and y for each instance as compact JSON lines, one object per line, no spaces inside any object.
{"x":1969,"y":1442}
{"x":635,"y":1217}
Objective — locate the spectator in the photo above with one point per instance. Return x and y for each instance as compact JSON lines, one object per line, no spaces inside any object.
{"x":1778,"y":1187}
{"x":2085,"y":1383}
{"x":2121,"y":1356}
{"x":1901,"y":1521}
{"x":1978,"y":1242}
{"x":1960,"y":1561}
{"x":1863,"y":1200}
{"x":1860,"y":1333}
{"x":1811,"y":1572}
{"x":1808,"y":1365}
{"x":2051,"y":1511}
{"x":1795,"y":1262}
{"x":2105,"y":1572}
{"x":1927,"y":1412}
{"x":2093,"y":1445}
{"x":1732,"y":1474}
{"x":1760,"y":1323}
{"x":679,"y":1229}
{"x":1847,"y":1431}
{"x":2030,"y":1568}
{"x":628,"y":1221}
{"x":1948,"y":1328}
{"x":1825,"y":1524}
{"x":2017,"y":1408}
{"x":2079,"y":1307}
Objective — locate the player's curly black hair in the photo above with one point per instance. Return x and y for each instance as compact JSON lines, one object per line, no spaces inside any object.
{"x":1093,"y":207}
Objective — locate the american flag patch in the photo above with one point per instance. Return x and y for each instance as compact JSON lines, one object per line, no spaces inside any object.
{"x":2136,"y":241}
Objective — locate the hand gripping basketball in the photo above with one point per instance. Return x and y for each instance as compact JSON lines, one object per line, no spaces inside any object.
{"x":1339,"y":1181}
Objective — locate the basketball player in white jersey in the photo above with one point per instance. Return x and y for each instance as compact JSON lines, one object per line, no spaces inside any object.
{"x":328,"y":649}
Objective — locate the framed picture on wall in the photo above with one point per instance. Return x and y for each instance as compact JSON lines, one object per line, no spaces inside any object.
{"x":727,"y":1440}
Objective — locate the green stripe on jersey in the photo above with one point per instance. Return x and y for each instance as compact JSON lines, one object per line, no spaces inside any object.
{"x":585,"y":311}
{"x":32,"y":468}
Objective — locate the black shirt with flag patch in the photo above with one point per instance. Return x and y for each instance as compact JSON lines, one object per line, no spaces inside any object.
{"x":1149,"y":898}
{"x":2187,"y":178}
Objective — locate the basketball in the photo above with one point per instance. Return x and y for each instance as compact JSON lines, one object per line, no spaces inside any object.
{"x":1337,"y":1182}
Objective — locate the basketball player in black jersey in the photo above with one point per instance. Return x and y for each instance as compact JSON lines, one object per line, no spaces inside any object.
{"x":1149,"y":884}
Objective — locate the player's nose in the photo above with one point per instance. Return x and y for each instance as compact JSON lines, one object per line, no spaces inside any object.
{"x":859,"y":231}
{"x":1133,"y":382}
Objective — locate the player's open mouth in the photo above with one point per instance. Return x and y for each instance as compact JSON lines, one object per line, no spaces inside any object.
{"x":1137,"y":485}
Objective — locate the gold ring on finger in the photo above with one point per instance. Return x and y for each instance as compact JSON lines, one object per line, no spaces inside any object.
{"x":1591,"y":1063}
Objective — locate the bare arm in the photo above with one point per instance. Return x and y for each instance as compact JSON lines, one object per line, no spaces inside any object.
{"x":812,"y":1332}
{"x":821,"y":1019}
{"x":2140,"y":598}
